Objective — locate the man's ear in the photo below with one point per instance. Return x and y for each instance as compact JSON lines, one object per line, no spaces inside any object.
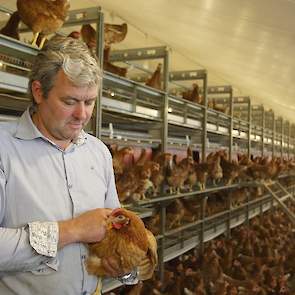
{"x":37,"y":91}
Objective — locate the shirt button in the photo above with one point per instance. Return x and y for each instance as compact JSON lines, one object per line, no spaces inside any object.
{"x":83,"y":256}
{"x":70,"y":186}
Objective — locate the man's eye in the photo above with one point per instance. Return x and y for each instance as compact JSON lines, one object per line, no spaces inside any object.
{"x":69,"y":102}
{"x":89,"y":102}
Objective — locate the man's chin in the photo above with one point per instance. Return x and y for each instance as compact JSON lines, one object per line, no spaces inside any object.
{"x":72,"y":135}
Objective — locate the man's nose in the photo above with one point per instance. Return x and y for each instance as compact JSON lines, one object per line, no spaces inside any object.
{"x":80,"y":111}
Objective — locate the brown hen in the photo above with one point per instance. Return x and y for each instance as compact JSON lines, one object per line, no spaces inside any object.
{"x":129,"y":242}
{"x":43,"y":16}
{"x":114,"y":33}
{"x":88,"y":34}
{"x":109,"y":67}
{"x":158,"y":177}
{"x":193,"y":94}
{"x":155,"y":80}
{"x":11,"y":27}
{"x":118,"y":159}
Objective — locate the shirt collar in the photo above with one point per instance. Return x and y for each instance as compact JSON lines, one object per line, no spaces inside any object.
{"x":81,"y":139}
{"x":27,"y":130}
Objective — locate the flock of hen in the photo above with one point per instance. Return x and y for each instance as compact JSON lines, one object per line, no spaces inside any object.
{"x":157,"y":172}
{"x":257,"y":260}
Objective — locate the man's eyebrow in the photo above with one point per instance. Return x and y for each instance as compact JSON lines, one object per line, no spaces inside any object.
{"x":77,"y":99}
{"x":92,"y":98}
{"x":70,"y":97}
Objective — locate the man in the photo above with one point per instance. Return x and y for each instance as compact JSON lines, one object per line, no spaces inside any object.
{"x":55,"y":180}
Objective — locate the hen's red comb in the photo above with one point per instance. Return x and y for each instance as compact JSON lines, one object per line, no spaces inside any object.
{"x":114,"y":212}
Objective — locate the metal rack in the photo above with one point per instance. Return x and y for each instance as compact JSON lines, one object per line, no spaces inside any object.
{"x":243,"y":124}
{"x":221,"y":123}
{"x":258,"y":127}
{"x":291,"y":148}
{"x":187,"y":120}
{"x":134,"y":101}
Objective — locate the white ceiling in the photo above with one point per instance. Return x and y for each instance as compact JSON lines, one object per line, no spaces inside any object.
{"x":248,"y":44}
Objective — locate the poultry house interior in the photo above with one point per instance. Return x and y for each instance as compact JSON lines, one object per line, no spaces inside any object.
{"x":202,"y":135}
{"x":244,"y":44}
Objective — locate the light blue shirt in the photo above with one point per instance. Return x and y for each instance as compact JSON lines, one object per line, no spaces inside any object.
{"x":41,"y":182}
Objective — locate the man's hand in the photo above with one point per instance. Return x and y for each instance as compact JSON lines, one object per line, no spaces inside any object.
{"x":89,"y":227}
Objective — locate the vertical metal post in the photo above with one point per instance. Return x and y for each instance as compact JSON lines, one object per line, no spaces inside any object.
{"x":204,"y":123}
{"x":162,"y":241}
{"x":231,"y":125}
{"x":100,"y":37}
{"x":97,"y":119}
{"x":247,"y":221}
{"x":273,"y":134}
{"x":185,"y":113}
{"x":292,"y":139}
{"x":133,"y":99}
{"x":164,"y":140}
{"x":165,"y":103}
{"x":262,"y":135}
{"x":288,"y":141}
{"x":203,"y":215}
{"x":228,"y":207}
{"x":282,"y":137}
{"x":250,"y":127}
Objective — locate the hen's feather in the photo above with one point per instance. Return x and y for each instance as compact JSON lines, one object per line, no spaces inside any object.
{"x":43,"y":16}
{"x":148,"y":264}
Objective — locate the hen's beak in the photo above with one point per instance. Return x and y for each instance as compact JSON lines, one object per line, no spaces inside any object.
{"x":110,"y":221}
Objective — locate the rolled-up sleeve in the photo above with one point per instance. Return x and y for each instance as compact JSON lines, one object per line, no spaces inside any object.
{"x":44,"y":237}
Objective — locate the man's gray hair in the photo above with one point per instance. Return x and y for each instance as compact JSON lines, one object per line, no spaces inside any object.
{"x":70,"y":55}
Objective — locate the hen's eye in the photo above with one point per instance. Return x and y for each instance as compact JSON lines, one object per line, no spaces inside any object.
{"x":121,"y":217}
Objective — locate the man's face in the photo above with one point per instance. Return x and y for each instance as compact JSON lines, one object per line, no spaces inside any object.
{"x":66,"y":111}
